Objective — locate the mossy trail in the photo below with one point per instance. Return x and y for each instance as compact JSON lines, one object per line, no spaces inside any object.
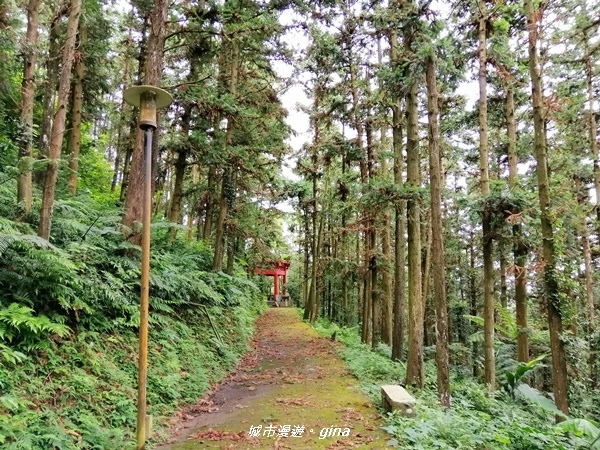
{"x":291,"y":376}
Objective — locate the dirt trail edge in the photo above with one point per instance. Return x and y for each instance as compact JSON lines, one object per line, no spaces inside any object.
{"x":292,"y":388}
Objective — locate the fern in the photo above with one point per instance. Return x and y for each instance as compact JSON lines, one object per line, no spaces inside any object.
{"x":6,"y":240}
{"x":19,"y":325}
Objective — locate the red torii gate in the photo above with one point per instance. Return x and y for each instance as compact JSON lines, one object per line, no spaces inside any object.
{"x":280,"y":270}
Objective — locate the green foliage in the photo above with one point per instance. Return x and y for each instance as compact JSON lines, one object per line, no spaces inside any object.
{"x":513,"y":378}
{"x":68,"y":328}
{"x":20,"y":327}
{"x":476,"y":419}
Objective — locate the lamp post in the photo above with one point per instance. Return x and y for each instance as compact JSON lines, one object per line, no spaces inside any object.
{"x":148,"y":99}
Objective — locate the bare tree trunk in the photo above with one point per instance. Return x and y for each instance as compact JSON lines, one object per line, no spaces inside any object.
{"x":503,"y":285}
{"x":437,"y":241}
{"x":180,"y":166}
{"x":219,"y":253}
{"x":589,"y":74}
{"x":344,"y":251}
{"x":313,"y":299}
{"x":589,"y":283}
{"x":372,"y":262}
{"x":387,"y":313}
{"x":50,"y":85}
{"x":519,"y":248}
{"x":386,"y":281}
{"x":474,"y":310}
{"x":552,"y":294}
{"x":231,"y":245}
{"x":415,"y":372}
{"x":306,"y":261}
{"x":133,"y":123}
{"x":24,"y":185}
{"x":58,"y":125}
{"x":152,"y":76}
{"x":488,"y":249}
{"x":400,"y":222}
{"x":311,"y":303}
{"x":76,"y":113}
{"x":227,"y":186}
{"x":209,"y":206}
{"x":399,"y":244}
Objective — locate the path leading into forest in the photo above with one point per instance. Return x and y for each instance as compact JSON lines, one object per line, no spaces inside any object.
{"x":289,"y":391}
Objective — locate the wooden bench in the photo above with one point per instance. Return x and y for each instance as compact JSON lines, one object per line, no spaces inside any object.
{"x":396,"y":398}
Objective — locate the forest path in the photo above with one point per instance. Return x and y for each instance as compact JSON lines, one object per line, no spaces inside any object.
{"x":290,"y":377}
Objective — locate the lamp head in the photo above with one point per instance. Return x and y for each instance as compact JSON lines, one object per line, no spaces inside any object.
{"x":148,"y":99}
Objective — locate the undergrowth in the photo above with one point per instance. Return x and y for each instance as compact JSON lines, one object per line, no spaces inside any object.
{"x":68,"y":328}
{"x":477,"y":420}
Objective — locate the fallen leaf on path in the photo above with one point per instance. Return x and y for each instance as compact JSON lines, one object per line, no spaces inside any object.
{"x":294,"y":402}
{"x":217,"y":435}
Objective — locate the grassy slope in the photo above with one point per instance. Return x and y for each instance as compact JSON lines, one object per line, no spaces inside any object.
{"x":81,"y":392}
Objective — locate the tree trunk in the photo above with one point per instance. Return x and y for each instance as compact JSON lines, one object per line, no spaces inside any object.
{"x":58,"y":124}
{"x":415,"y":372}
{"x":180,"y":166}
{"x":399,"y":243}
{"x":488,"y":249}
{"x":152,"y":76}
{"x":386,"y":281}
{"x":76,"y":113}
{"x":306,"y":260}
{"x":209,"y":206}
{"x":313,"y":302}
{"x":437,"y":242}
{"x":552,"y":294}
{"x":519,"y":248}
{"x":372,"y":262}
{"x":226,"y":188}
{"x":230,"y":255}
{"x":589,"y":274}
{"x":24,"y":185}
{"x":400,"y":221}
{"x":344,"y":251}
{"x":589,"y":74}
{"x":51,"y":81}
{"x":474,"y":310}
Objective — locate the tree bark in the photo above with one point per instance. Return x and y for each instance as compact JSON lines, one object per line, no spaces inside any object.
{"x":152,"y":76}
{"x":552,"y":294}
{"x":372,"y":262}
{"x":50,"y":84}
{"x":209,"y":205}
{"x":415,"y":372}
{"x":76,"y":114}
{"x":180,"y":166}
{"x":488,"y":249}
{"x":593,"y":130}
{"x":437,"y":241}
{"x":519,"y":248}
{"x":227,"y":187}
{"x":24,"y":185}
{"x":387,"y":314}
{"x":400,"y":222}
{"x":399,"y":243}
{"x":58,"y":124}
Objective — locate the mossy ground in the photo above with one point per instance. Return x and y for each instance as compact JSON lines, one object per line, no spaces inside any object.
{"x":292,"y":376}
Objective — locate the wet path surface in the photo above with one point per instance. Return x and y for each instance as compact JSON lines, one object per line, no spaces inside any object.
{"x":291,"y":391}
